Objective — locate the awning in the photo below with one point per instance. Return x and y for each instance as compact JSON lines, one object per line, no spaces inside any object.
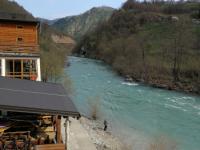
{"x":35,"y":97}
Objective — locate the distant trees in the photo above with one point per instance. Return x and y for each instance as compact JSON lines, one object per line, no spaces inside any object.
{"x":178,"y":47}
{"x":196,"y":12}
{"x":137,"y":6}
{"x":53,"y":56}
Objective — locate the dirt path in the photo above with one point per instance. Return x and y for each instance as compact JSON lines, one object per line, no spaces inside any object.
{"x":78,"y":137}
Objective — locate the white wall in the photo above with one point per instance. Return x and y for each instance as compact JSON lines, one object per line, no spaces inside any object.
{"x":3,"y":67}
{"x":38,"y":70}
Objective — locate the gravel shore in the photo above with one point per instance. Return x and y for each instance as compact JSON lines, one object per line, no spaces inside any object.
{"x":103,"y":140}
{"x":88,"y":134}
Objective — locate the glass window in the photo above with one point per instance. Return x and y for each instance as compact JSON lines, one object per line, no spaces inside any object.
{"x":26,"y":66}
{"x":9,"y":66}
{"x":13,"y":68}
{"x":33,"y":66}
{"x":29,"y":66}
{"x":18,"y":66}
{"x":21,"y":68}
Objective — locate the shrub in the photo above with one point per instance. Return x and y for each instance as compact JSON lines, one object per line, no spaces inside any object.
{"x":94,"y":107}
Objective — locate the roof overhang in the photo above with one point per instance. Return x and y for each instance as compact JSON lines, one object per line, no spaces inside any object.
{"x":39,"y":111}
{"x":35,"y":97}
{"x":17,"y":17}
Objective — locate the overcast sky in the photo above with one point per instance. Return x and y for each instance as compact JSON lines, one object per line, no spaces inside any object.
{"x":51,"y":9}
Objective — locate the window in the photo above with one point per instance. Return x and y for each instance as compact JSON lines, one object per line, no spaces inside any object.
{"x":20,"y":27}
{"x":21,"y":68}
{"x":19,"y":39}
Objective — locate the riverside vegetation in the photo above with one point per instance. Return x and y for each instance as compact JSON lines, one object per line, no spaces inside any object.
{"x":53,"y":55}
{"x":154,"y":42}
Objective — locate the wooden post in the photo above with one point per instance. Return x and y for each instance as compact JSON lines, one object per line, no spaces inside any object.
{"x":13,"y":71}
{"x":58,"y":129}
{"x":68,"y":130}
{"x":22,"y":69}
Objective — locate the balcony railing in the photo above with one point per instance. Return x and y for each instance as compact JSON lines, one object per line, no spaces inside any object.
{"x":22,"y":75}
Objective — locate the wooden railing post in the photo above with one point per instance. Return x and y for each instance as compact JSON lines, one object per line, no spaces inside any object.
{"x":58,"y":129}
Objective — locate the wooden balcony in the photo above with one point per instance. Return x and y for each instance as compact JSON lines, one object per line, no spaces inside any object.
{"x":22,"y":75}
{"x":19,"y":48}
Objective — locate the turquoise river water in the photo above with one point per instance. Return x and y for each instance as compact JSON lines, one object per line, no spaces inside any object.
{"x":138,"y":114}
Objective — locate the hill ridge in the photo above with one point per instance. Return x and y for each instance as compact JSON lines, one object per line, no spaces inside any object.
{"x":78,"y":25}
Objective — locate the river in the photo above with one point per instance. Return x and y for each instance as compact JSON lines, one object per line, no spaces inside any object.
{"x":138,"y":114}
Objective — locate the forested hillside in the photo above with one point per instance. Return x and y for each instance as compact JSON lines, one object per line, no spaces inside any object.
{"x":77,"y":26}
{"x":12,"y":7}
{"x":53,"y":54}
{"x":153,"y":42}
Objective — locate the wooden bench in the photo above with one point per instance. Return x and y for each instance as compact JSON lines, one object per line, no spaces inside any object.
{"x":50,"y":147}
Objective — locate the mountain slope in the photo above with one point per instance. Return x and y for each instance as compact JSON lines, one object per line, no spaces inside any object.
{"x":77,"y":26}
{"x":156,"y":43}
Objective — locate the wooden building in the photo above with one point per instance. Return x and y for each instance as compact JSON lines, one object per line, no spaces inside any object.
{"x":19,"y":49}
{"x":31,"y":112}
{"x":34,"y":113}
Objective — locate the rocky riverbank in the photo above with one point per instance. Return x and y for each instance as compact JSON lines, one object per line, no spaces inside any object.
{"x":165,"y":84}
{"x":103,"y":140}
{"x":88,"y":134}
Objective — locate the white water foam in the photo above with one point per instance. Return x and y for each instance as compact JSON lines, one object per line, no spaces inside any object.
{"x":108,"y":81}
{"x":129,"y":83}
{"x":177,"y":101}
{"x":175,"y":107}
{"x":197,"y":107}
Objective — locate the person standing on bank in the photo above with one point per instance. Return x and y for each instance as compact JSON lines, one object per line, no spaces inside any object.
{"x":105,"y":125}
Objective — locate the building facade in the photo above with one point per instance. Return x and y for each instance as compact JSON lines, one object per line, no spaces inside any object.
{"x":19,"y":48}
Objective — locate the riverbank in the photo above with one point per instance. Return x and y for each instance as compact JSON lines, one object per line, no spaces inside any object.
{"x":103,"y":140}
{"x":87,"y":134}
{"x":164,"y":84}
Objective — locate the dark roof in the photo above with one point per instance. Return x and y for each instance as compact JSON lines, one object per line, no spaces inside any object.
{"x":35,"y":97}
{"x":4,"y":16}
